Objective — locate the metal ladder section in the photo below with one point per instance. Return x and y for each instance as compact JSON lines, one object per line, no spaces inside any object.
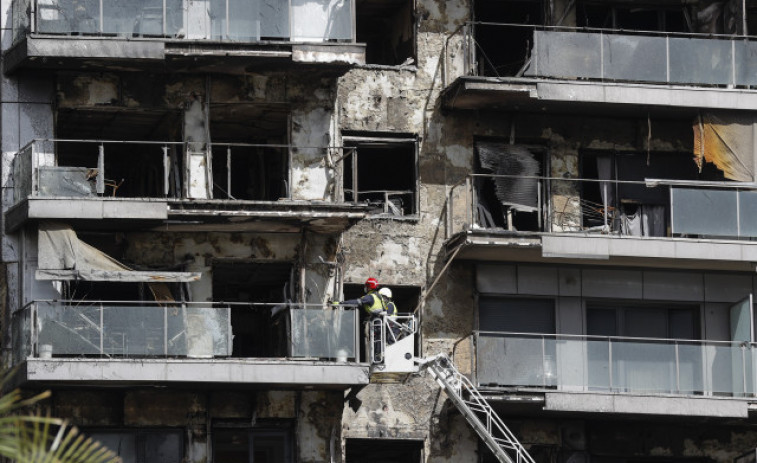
{"x":476,"y":410}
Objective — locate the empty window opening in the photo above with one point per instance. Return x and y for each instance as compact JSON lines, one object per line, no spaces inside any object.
{"x":248,"y":172}
{"x":383,"y":451}
{"x":634,"y":209}
{"x":259,"y":331}
{"x":387,"y":29}
{"x":641,"y":17}
{"x":382,"y":172}
{"x":144,"y":446}
{"x":513,"y":196}
{"x":131,"y":169}
{"x":242,"y":444}
{"x":492,"y":58}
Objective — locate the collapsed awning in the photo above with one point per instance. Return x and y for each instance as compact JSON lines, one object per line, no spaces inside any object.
{"x":726,"y":140}
{"x":63,"y":256}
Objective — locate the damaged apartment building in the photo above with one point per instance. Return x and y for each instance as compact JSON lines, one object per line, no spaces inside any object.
{"x":561,"y":195}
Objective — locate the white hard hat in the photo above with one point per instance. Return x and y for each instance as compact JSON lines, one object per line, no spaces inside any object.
{"x":386,"y":292}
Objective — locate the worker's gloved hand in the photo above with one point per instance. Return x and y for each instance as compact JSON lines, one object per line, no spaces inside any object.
{"x":334,"y":304}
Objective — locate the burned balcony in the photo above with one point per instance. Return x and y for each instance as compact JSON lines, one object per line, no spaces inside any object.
{"x":178,"y":33}
{"x":140,"y":341}
{"x":621,"y":222}
{"x":146,"y":183}
{"x":609,"y":374}
{"x":556,"y":66}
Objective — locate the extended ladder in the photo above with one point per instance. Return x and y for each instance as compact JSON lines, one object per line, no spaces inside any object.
{"x":479,"y":414}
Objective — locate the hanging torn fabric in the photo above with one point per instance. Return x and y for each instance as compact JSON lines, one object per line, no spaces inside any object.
{"x":63,"y":256}
{"x":727,"y":141}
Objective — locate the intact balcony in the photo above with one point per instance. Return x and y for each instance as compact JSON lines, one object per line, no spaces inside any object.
{"x":598,"y":374}
{"x":632,"y":71}
{"x":192,"y":186}
{"x":141,"y":342}
{"x":651,"y":223}
{"x":206,"y":35}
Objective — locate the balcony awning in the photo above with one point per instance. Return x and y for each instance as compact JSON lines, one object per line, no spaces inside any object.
{"x":63,"y":256}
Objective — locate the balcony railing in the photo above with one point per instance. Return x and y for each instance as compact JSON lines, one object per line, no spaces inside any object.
{"x":150,"y":169}
{"x":607,"y":55}
{"x":217,"y":20}
{"x":615,"y":364}
{"x":49,"y":329}
{"x":613,"y":207}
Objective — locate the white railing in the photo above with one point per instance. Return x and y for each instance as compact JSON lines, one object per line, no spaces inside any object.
{"x":217,"y":20}
{"x":123,"y":329}
{"x":610,"y":55}
{"x":653,"y":207}
{"x":615,"y":364}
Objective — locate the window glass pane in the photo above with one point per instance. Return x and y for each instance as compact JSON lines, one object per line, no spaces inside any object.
{"x":231,"y":446}
{"x":270,"y":448}
{"x":516,"y":315}
{"x":682,"y":324}
{"x":162,"y":447}
{"x":646,"y":323}
{"x":601,"y":322}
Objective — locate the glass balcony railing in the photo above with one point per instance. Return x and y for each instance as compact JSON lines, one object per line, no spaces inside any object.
{"x":216,"y":20}
{"x":616,"y":365}
{"x":47,"y":329}
{"x":149,"y":169}
{"x":655,"y":208}
{"x":607,"y":55}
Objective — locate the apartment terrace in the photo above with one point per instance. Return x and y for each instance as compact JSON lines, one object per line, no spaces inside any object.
{"x":655,"y":222}
{"x":563,"y":66}
{"x":134,"y":342}
{"x":147,"y":183}
{"x":208,"y":35}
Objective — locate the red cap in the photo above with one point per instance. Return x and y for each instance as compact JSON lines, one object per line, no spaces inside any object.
{"x":371,"y":283}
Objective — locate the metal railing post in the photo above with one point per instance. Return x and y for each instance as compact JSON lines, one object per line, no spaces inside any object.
{"x":166,"y":170}
{"x":100,"y":179}
{"x":228,"y":172}
{"x":678,"y":369}
{"x":609,"y":364}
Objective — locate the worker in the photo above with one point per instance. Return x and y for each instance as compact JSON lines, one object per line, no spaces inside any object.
{"x":373,"y":304}
{"x":391,"y":315}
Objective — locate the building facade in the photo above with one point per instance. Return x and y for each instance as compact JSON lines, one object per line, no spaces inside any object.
{"x":561,"y":192}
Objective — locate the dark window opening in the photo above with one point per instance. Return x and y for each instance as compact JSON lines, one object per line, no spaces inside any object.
{"x":643,"y":320}
{"x":513,"y":197}
{"x":634,"y":209}
{"x":387,"y":29}
{"x":383,"y":451}
{"x":492,"y":58}
{"x":144,"y":446}
{"x":648,"y":17}
{"x":131,"y":169}
{"x":259,"y":330}
{"x":248,"y":172}
{"x":252,"y":445}
{"x":386,"y":175}
{"x":516,"y":315}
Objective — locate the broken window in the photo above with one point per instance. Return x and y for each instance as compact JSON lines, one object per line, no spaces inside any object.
{"x":245,"y":164}
{"x":387,"y":29}
{"x":143,"y":446}
{"x":492,"y":58}
{"x":383,"y":451}
{"x":238,"y":443}
{"x":259,"y":330}
{"x":634,"y":208}
{"x":131,"y":169}
{"x":382,"y":171}
{"x":511,"y":194}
